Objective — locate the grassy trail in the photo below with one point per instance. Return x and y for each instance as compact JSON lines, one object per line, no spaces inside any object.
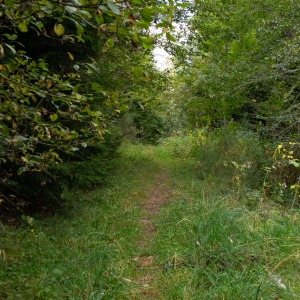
{"x":155,"y":232}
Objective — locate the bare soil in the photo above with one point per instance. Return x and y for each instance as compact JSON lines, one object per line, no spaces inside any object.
{"x":157,"y":196}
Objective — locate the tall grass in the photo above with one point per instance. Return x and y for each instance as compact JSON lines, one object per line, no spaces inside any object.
{"x":217,"y":237}
{"x":85,"y":250}
{"x":221,"y":238}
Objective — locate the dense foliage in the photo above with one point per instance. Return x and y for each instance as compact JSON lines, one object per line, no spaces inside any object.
{"x":58,"y":101}
{"x":242,"y":64}
{"x":238,"y":69}
{"x":216,"y":203}
{"x":74,"y":72}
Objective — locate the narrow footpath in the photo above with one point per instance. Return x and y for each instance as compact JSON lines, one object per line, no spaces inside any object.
{"x":158,"y":183}
{"x":158,"y":230}
{"x":156,"y":197}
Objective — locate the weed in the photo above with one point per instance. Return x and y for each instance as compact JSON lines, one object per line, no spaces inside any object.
{"x":209,"y":241}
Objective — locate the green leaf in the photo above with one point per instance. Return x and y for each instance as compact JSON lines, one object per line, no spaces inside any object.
{"x":294,"y":163}
{"x":143,"y":24}
{"x":115,"y":9}
{"x":71,"y":56}
{"x":21,"y":170}
{"x":146,"y":43}
{"x":96,"y":87}
{"x":71,"y":9}
{"x":99,"y":18}
{"x":104,"y":8}
{"x":84,"y":14}
{"x":11,"y":48}
{"x":39,"y":24}
{"x":43,"y":65}
{"x":11,"y":37}
{"x":53,"y":117}
{"x":146,"y":14}
{"x":91,"y":67}
{"x":5,"y":130}
{"x":59,"y":29}
{"x":165,"y":19}
{"x":20,"y":138}
{"x":23,"y":27}
{"x":170,"y":37}
{"x":110,"y":43}
{"x":76,"y":87}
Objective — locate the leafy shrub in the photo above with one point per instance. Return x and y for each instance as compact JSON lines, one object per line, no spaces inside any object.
{"x":233,"y":154}
{"x":34,"y":190}
{"x":92,"y":166}
{"x":184,"y":144}
{"x":149,"y":125}
{"x":51,"y":108}
{"x":143,"y":124}
{"x":29,"y":190}
{"x":283,"y":177}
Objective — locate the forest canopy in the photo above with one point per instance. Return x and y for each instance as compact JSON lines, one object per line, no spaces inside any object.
{"x":241,"y":63}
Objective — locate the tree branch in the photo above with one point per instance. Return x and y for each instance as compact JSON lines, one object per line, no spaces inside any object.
{"x":77,"y":5}
{"x":36,"y":89}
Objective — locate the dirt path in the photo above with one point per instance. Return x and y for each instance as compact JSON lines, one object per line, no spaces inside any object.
{"x":145,"y":263}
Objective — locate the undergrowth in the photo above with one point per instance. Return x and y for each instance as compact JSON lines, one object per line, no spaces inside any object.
{"x":217,"y":237}
{"x":81,"y":252}
{"x":225,"y":238}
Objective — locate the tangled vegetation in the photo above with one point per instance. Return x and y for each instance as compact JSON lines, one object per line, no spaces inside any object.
{"x":77,"y":76}
{"x":61,"y":93}
{"x":201,"y":162}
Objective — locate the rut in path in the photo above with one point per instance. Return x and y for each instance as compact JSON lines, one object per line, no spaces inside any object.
{"x":156,"y":197}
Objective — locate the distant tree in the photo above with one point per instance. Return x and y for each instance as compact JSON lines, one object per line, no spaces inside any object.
{"x":242,"y":65}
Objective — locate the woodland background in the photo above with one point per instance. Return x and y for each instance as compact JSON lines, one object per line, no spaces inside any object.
{"x":79,"y":76}
{"x":122,"y":180}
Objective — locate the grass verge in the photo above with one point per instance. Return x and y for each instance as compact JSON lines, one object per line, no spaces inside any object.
{"x":214,"y":238}
{"x":86,"y":251}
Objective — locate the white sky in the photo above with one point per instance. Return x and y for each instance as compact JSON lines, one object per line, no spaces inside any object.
{"x":162,"y":59}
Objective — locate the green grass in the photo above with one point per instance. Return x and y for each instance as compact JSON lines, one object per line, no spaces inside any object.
{"x":214,"y":238}
{"x":84,"y":252}
{"x":221,"y":240}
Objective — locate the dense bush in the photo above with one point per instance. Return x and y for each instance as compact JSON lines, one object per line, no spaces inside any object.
{"x":283,"y":174}
{"x":229,"y":152}
{"x":253,"y":168}
{"x":144,"y":125}
{"x":54,"y":108}
{"x":92,"y":166}
{"x":230,"y":157}
{"x":32,"y":191}
{"x":242,"y":65}
{"x":226,"y":152}
{"x":185,"y":143}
